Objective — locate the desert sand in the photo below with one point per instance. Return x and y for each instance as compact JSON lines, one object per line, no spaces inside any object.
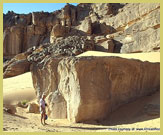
{"x":133,"y":116}
{"x":18,"y":88}
{"x":151,"y":57}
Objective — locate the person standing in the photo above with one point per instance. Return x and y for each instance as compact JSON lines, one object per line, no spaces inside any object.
{"x":42,"y":109}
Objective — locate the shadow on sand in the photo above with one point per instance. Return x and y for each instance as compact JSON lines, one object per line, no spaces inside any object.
{"x":143,"y":109}
{"x":22,"y":117}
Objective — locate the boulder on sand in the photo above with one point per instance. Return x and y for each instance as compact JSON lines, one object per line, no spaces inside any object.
{"x":33,"y":108}
{"x":11,"y":109}
{"x":93,"y":87}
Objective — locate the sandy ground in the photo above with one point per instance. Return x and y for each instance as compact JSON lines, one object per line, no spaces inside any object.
{"x":136,"y":116}
{"x":132,"y":115}
{"x":151,"y":57}
{"x":18,"y":88}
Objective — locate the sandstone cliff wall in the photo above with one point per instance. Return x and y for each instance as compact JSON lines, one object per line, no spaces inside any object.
{"x":114,"y":27}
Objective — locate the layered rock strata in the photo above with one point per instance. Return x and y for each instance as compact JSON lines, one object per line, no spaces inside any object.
{"x":133,"y":27}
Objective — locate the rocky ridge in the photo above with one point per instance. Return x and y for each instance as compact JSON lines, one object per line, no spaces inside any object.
{"x":114,"y":27}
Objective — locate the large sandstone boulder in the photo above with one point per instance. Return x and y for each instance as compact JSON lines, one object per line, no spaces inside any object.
{"x":17,"y":65}
{"x":33,"y":108}
{"x":16,"y":68}
{"x":89,"y":88}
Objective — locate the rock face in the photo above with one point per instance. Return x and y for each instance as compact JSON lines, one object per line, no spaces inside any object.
{"x":57,"y":101}
{"x":62,"y":47}
{"x":89,"y":88}
{"x":134,"y":27}
{"x":18,"y":65}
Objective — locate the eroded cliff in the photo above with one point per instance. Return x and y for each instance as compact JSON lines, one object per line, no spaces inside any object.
{"x":114,"y":27}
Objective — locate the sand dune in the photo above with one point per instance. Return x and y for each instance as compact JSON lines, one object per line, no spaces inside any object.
{"x":151,"y":57}
{"x":18,"y":88}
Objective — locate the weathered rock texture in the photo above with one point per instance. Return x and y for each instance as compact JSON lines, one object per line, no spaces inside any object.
{"x":89,"y":88}
{"x":62,"y":47}
{"x":17,"y":65}
{"x":33,"y":108}
{"x":133,"y":27}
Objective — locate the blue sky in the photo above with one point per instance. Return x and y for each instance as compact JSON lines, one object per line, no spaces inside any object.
{"x":25,"y":8}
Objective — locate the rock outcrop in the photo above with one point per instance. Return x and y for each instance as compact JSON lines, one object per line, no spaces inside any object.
{"x":16,"y":66}
{"x":133,"y":27}
{"x":137,"y":27}
{"x":62,"y":47}
{"x":89,"y":88}
{"x":9,"y":109}
{"x":33,"y":108}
